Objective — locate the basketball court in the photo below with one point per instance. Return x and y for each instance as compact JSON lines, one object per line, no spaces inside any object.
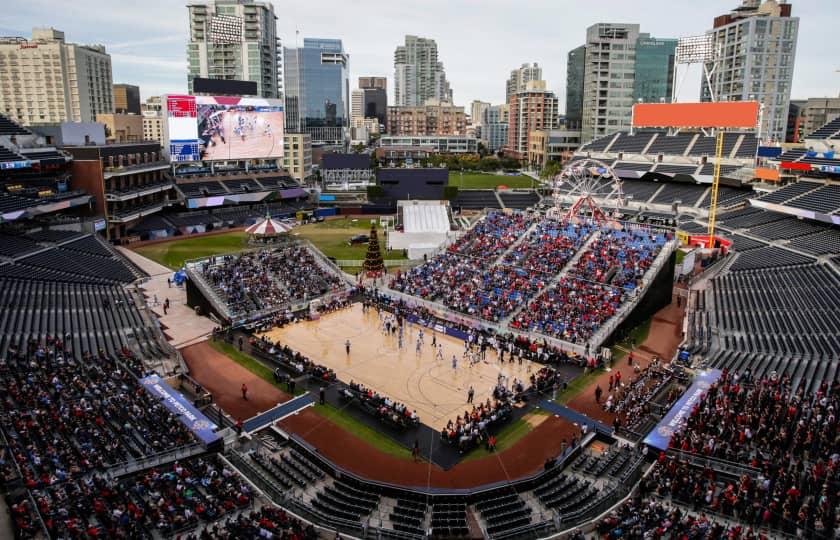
{"x":422,"y":381}
{"x":247,"y":134}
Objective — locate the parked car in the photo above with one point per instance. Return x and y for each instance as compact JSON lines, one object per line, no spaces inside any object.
{"x":359,"y":239}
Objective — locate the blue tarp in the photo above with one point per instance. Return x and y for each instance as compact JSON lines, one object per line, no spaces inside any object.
{"x":191,"y":417}
{"x":673,"y":421}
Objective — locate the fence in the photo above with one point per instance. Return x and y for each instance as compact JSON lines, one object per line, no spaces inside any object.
{"x":128,"y":467}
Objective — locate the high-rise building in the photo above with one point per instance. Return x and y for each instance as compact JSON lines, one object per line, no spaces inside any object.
{"x":755,"y":48}
{"x":152,"y":119}
{"x":46,"y":80}
{"x":615,"y":68}
{"x":433,"y":118}
{"x":126,"y":99}
{"x":418,"y":75}
{"x":318,"y":90}
{"x":574,"y":87}
{"x":375,"y":97}
{"x":357,"y":103}
{"x":653,"y":80}
{"x":235,"y":39}
{"x":477,"y":110}
{"x":608,"y":79}
{"x":520,"y":76}
{"x":297,"y":155}
{"x":494,"y":131}
{"x":532,"y":109}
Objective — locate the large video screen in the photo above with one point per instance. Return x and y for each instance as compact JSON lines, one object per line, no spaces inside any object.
{"x":223,"y":127}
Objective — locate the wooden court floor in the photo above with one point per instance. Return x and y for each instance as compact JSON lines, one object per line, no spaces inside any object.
{"x":257,"y":142}
{"x":430,"y":386}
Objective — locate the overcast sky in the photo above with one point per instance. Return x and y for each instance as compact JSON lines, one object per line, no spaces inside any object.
{"x":479,"y":42}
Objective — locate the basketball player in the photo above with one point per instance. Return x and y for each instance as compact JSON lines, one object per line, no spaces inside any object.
{"x":417,"y":347}
{"x":454,"y":362}
{"x":440,"y":352}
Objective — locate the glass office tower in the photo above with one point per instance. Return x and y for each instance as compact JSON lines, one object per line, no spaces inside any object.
{"x":318,"y":90}
{"x":654,"y":69}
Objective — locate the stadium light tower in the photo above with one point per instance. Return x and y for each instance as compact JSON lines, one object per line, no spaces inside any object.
{"x":695,"y":50}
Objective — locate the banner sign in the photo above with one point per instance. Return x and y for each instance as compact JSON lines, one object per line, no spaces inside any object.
{"x":191,"y":417}
{"x":454,"y":332}
{"x":674,"y":420}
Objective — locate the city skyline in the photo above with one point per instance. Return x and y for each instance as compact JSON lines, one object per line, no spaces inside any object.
{"x":156,"y":62}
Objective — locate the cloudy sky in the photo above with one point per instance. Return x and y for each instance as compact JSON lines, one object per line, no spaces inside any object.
{"x":478,"y":41}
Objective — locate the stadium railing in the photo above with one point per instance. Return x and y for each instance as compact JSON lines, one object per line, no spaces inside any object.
{"x":146,"y":462}
{"x":722,"y":465}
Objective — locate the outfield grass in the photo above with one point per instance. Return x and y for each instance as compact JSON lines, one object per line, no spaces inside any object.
{"x":576,"y":386}
{"x":474,"y":180}
{"x":637,"y":335}
{"x":332,"y":238}
{"x":173,"y":254}
{"x":251,"y":364}
{"x":381,"y":442}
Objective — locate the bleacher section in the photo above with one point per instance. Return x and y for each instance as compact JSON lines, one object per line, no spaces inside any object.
{"x":519,"y":201}
{"x":475,"y":199}
{"x":640,"y":190}
{"x":688,"y":194}
{"x":666,"y":168}
{"x":825,"y":199}
{"x":778,"y":319}
{"x":631,"y":144}
{"x":673,"y":145}
{"x":830,"y":130}
{"x":8,"y":127}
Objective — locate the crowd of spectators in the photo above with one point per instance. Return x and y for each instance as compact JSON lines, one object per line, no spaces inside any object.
{"x":267,"y":522}
{"x":290,"y":360}
{"x":630,"y":401}
{"x":790,"y":439}
{"x":64,"y":417}
{"x":268,"y":278}
{"x":472,"y":427}
{"x":652,"y":519}
{"x":387,"y":410}
{"x":467,"y":277}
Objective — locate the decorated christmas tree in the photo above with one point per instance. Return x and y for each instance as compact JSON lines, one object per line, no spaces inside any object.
{"x":374,"y":265}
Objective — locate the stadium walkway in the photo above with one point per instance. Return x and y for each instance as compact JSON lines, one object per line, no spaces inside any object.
{"x":180,"y":325}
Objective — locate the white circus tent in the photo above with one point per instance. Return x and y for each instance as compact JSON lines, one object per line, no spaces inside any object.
{"x":268,"y":227}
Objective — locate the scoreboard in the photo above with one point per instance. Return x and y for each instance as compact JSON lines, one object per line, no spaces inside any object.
{"x":182,"y":128}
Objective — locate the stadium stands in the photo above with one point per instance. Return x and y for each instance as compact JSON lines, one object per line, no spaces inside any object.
{"x":475,"y":200}
{"x":631,"y":144}
{"x":8,"y":127}
{"x":519,"y":201}
{"x":673,"y":145}
{"x":830,"y":130}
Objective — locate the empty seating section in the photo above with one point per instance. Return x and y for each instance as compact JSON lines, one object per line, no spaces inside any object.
{"x":742,"y":243}
{"x":449,"y":519}
{"x":8,"y":155}
{"x":748,"y":148}
{"x":520,"y":201}
{"x":825,"y":199}
{"x":566,"y":493}
{"x":90,"y":245}
{"x":730,"y":197}
{"x":240,"y":185}
{"x":825,"y":242}
{"x":632,"y":166}
{"x":687,"y":194}
{"x":13,"y":203}
{"x":476,"y":199}
{"x":791,"y":155}
{"x":828,"y":131}
{"x":788,"y":192}
{"x":748,"y":217}
{"x":88,"y":317}
{"x":51,"y":153}
{"x":785,"y":229}
{"x":52,"y":235}
{"x":345,"y":501}
{"x":503,"y":513}
{"x":598,"y":145}
{"x":80,"y":264}
{"x":668,"y":168}
{"x":708,"y":169}
{"x":639,"y":190}
{"x":707,"y":145}
{"x":201,"y":189}
{"x":13,"y":246}
{"x":769,"y":257}
{"x":670,"y":145}
{"x":631,"y":144}
{"x":409,"y":517}
{"x":9,"y":127}
{"x":782,"y":319}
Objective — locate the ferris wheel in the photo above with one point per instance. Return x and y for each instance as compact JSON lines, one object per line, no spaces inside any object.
{"x":591,"y":185}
